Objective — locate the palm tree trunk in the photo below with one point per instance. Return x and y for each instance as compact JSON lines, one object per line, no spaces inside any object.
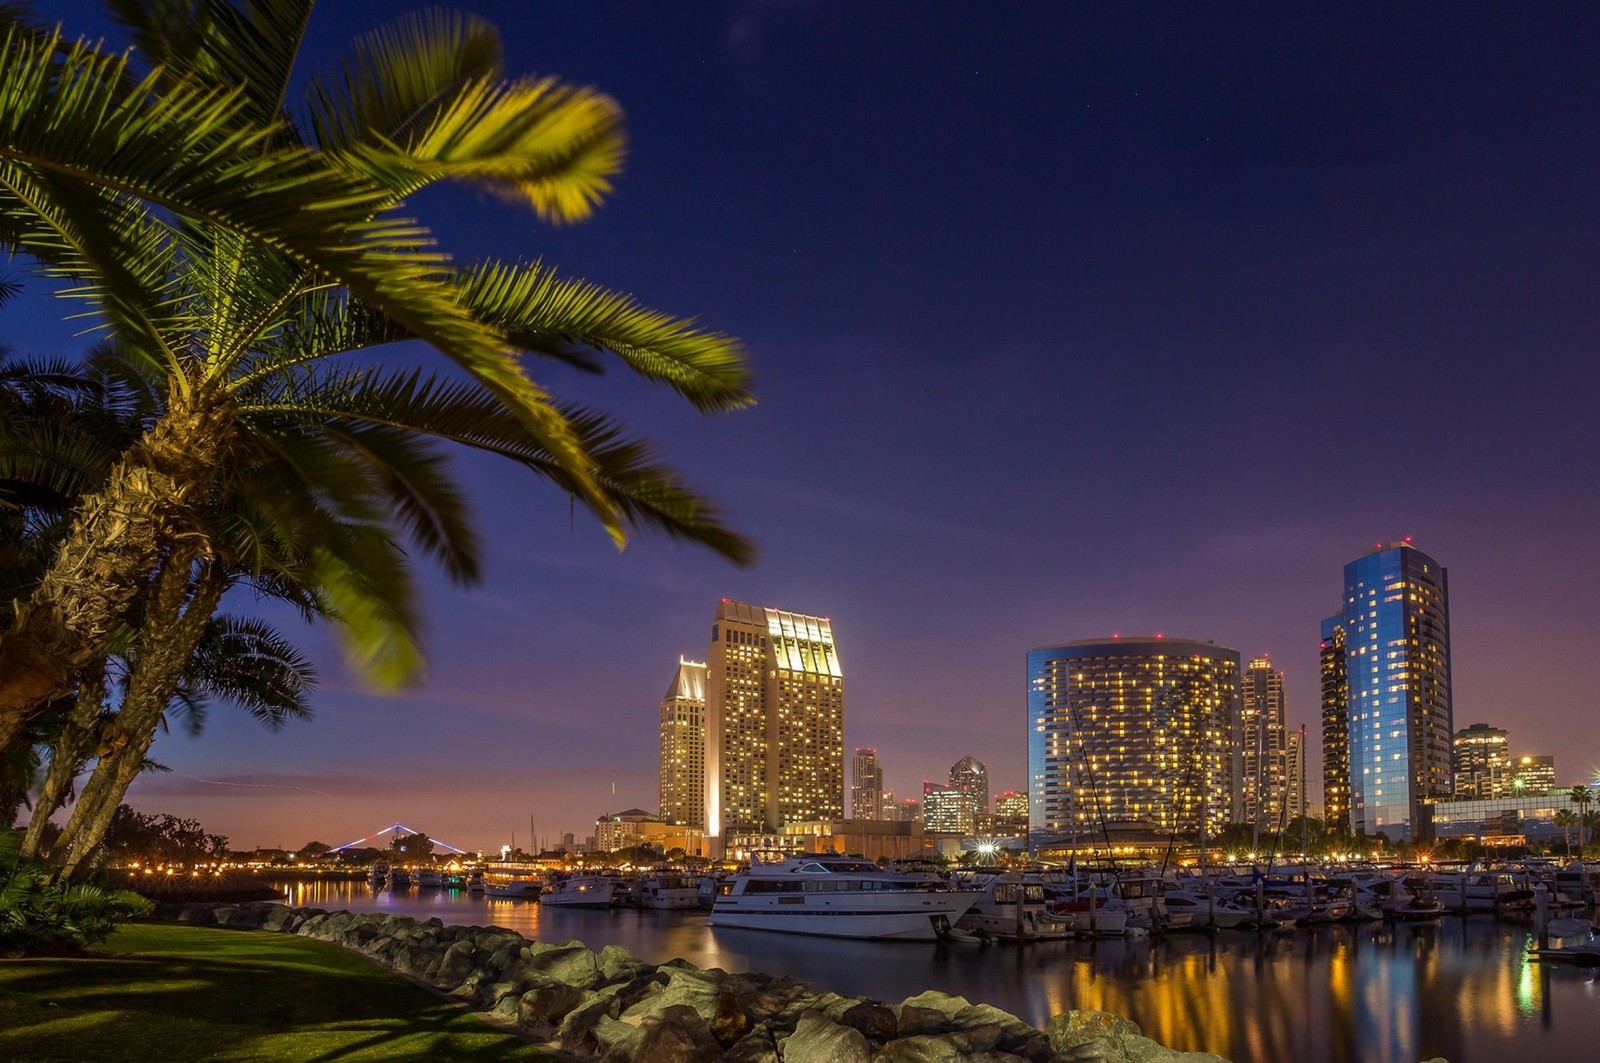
{"x":175,"y":621}
{"x":116,"y":540}
{"x":66,"y":757}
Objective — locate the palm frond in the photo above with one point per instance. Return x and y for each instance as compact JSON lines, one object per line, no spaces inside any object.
{"x":539,"y":310}
{"x":247,"y":662}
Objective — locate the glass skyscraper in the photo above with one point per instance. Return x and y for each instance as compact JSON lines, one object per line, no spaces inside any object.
{"x":1386,"y":713}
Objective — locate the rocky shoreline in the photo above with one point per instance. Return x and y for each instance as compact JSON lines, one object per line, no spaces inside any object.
{"x":613,"y":1007}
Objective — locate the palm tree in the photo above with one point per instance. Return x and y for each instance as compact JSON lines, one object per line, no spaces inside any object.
{"x":1581,"y":796}
{"x":1566,"y":819}
{"x":234,"y":250}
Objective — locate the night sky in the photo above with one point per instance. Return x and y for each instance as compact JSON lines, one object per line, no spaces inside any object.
{"x":1067,"y":320}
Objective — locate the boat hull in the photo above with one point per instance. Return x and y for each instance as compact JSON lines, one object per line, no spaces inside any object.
{"x":909,"y":917}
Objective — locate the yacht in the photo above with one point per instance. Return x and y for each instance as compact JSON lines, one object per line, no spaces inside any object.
{"x":584,"y":891}
{"x":839,"y":897}
{"x":399,"y":879}
{"x":668,"y":891}
{"x":429,"y":879}
{"x":513,"y":884}
{"x":995,"y":912}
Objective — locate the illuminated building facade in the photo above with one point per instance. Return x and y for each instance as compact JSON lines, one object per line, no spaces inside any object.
{"x":1481,"y":760}
{"x":683,"y":746}
{"x":948,"y":810}
{"x":1532,"y":775}
{"x":1264,"y":748}
{"x":1137,"y":735}
{"x":971,"y":775}
{"x":1294,"y":789}
{"x":866,"y":786}
{"x":774,"y":721}
{"x":1387,"y":718}
{"x":1012,"y":803}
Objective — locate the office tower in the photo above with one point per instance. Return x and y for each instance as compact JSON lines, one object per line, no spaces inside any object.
{"x":970,"y":774}
{"x":1533,"y":775}
{"x":1294,"y":777}
{"x":948,"y":809}
{"x":866,"y":785}
{"x":1386,"y":714}
{"x":1481,"y":762}
{"x":1261,"y":717}
{"x":774,"y":721}
{"x":1137,"y":735}
{"x":683,"y":746}
{"x":1012,"y":803}
{"x":909,"y":810}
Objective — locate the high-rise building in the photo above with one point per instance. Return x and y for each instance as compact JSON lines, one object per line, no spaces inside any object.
{"x":1139,"y":735}
{"x":774,"y":721}
{"x":1386,"y":711}
{"x":972,"y":775}
{"x":866,"y":785}
{"x":908,"y":810}
{"x":1294,"y":787}
{"x":683,"y":746}
{"x":1261,"y":717}
{"x":1533,"y":775}
{"x":1481,"y":761}
{"x":1012,"y":803}
{"x":948,"y":809}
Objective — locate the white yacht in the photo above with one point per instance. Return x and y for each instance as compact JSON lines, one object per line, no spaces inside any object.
{"x":513,"y":884}
{"x":584,"y":891}
{"x":994,"y":914}
{"x":668,"y":891}
{"x":429,"y":879}
{"x":839,"y":897}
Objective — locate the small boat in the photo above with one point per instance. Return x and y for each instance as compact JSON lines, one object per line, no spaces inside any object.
{"x":378,"y":876}
{"x":399,"y":879}
{"x":1571,"y":930}
{"x":995,"y":913}
{"x":668,"y":891}
{"x":839,"y":897}
{"x":429,"y":879}
{"x":513,"y":884}
{"x":475,"y":880}
{"x":584,"y":891}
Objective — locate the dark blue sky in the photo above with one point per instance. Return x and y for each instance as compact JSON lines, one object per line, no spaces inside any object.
{"x":1067,"y":320}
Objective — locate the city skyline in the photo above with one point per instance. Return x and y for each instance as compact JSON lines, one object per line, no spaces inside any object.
{"x":1130,"y":358}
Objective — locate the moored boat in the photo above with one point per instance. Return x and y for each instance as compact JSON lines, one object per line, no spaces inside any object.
{"x":668,"y":891}
{"x":839,"y":897}
{"x":584,"y":891}
{"x":513,"y":884}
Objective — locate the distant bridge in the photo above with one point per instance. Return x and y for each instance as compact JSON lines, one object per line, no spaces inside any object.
{"x":402,"y":829}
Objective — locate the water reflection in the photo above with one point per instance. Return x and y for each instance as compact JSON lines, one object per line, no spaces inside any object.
{"x":1461,"y":989}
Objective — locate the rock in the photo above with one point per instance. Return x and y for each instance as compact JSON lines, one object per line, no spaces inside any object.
{"x":818,"y":1039}
{"x":1095,"y":1031}
{"x":617,"y":964}
{"x":198,"y":913}
{"x":542,"y":1007}
{"x":699,"y":990}
{"x":757,"y":1046}
{"x":730,"y":1022}
{"x":503,"y":957}
{"x":918,"y":1021}
{"x":455,"y":966}
{"x":1017,"y":1037}
{"x":673,"y":1035}
{"x":874,"y":1020}
{"x":576,"y":1033}
{"x":572,"y":964}
{"x":944,"y":1003}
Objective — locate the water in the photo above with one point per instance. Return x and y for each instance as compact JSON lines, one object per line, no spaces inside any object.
{"x":1461,"y":988}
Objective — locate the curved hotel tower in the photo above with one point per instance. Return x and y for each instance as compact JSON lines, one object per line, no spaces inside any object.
{"x":1386,"y":712}
{"x":774,"y":721}
{"x":1137,"y":737}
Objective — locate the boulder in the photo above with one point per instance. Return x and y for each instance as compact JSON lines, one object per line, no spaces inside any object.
{"x":874,"y":1020}
{"x":921,"y":1022}
{"x":572,"y":964}
{"x":617,"y":964}
{"x":757,"y":1046}
{"x":699,"y":990}
{"x":198,"y":913}
{"x":455,"y":966}
{"x":945,"y":1004}
{"x":1017,"y":1037}
{"x":818,"y":1039}
{"x":673,"y":1035}
{"x":576,"y":1032}
{"x":542,"y":1007}
{"x":730,"y":1021}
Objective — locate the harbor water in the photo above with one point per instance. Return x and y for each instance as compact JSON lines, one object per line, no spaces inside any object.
{"x":1460,"y":988}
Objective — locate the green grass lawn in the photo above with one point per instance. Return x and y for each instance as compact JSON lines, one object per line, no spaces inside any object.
{"x":175,"y":993}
